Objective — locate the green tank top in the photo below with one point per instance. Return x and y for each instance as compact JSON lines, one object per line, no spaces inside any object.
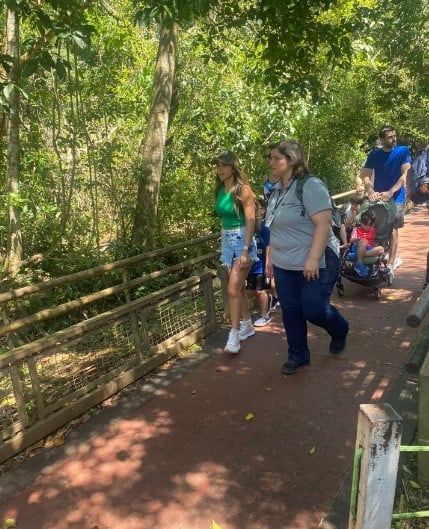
{"x":224,"y":207}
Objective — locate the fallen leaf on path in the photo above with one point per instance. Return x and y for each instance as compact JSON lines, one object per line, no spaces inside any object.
{"x":215,"y":525}
{"x":312,"y":450}
{"x":249,"y":416}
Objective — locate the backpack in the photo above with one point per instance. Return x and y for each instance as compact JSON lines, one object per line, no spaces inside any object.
{"x":337,"y":215}
{"x":417,"y":175}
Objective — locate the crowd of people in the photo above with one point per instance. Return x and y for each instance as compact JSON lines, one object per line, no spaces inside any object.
{"x":282,"y":249}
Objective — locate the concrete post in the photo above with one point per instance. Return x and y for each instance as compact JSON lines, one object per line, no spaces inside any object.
{"x":379,"y":435}
{"x":423,"y":423}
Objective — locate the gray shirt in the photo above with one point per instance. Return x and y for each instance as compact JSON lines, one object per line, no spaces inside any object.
{"x":291,"y":229}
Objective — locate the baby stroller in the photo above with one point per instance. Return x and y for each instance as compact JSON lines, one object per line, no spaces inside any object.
{"x":378,"y":271}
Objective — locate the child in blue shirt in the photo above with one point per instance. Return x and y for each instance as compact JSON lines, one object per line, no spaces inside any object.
{"x":257,"y":283}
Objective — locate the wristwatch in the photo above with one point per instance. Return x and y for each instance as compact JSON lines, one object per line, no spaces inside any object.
{"x":245,"y":247}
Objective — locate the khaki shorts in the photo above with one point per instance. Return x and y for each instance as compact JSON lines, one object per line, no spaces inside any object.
{"x":399,"y":217}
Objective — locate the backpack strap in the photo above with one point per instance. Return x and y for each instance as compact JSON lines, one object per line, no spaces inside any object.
{"x":336,"y":213}
{"x":300,"y":186}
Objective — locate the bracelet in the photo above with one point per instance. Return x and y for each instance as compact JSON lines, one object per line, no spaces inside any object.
{"x":245,"y":247}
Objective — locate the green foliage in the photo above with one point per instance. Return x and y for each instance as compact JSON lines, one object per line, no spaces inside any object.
{"x":248,"y":73}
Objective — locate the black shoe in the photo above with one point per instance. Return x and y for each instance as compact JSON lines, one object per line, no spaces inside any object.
{"x":338,"y":345}
{"x":291,"y":367}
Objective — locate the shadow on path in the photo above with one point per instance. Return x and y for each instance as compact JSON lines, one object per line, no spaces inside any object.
{"x":231,"y":439}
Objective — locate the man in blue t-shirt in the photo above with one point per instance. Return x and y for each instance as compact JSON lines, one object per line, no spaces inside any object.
{"x":384,"y":175}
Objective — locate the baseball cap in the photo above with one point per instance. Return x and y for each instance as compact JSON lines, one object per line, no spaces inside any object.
{"x":226,"y":157}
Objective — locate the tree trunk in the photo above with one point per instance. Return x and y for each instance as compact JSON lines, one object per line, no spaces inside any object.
{"x":145,"y":230}
{"x":14,"y":244}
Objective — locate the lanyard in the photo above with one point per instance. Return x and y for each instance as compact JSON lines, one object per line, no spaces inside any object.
{"x":281,"y":196}
{"x":279,"y":199}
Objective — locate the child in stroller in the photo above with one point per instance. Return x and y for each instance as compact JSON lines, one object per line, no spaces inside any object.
{"x":364,"y":263}
{"x":363,"y":243}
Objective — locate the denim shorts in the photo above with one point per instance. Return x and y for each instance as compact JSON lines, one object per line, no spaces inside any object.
{"x":232,"y":246}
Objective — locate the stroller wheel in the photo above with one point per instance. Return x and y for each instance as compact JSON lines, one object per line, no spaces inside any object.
{"x":377,"y":292}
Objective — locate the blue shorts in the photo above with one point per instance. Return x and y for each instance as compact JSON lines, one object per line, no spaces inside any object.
{"x":354,"y":247}
{"x":232,"y":246}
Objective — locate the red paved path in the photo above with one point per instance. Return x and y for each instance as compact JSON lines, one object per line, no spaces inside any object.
{"x":189,"y":456}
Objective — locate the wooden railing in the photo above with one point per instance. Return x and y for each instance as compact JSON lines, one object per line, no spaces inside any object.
{"x":49,"y":377}
{"x":61,"y":360}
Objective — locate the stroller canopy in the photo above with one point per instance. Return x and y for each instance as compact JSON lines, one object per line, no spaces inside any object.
{"x":385,"y":212}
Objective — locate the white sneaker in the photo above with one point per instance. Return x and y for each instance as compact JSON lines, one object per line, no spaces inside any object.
{"x":233,"y":343}
{"x":397,"y":263}
{"x":246,"y":330}
{"x":263,"y":320}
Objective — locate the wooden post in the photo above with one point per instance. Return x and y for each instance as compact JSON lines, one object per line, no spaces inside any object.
{"x":423,"y":423}
{"x":379,"y":435}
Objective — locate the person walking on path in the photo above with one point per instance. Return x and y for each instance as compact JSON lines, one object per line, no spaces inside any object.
{"x":304,"y":255}
{"x":384,"y":174}
{"x":235,"y":205}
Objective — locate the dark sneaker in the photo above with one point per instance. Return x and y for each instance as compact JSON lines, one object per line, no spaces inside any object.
{"x":275,"y":304}
{"x":338,"y":344}
{"x":291,"y":367}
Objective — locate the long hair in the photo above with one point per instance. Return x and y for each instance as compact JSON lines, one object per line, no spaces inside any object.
{"x":293,"y":150}
{"x":239,"y":179}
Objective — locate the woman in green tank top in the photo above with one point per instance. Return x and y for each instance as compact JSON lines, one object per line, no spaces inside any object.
{"x":235,"y":205}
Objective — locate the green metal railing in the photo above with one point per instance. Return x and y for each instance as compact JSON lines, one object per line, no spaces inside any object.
{"x":355,"y":484}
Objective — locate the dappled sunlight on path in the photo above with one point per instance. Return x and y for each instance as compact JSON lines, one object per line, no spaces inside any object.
{"x":233,"y":440}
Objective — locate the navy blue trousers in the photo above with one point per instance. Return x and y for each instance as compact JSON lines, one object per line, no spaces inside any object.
{"x":303,"y":301}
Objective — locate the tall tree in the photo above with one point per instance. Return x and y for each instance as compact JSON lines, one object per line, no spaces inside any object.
{"x":169,"y":15}
{"x":14,"y":247}
{"x":50,"y":22}
{"x":145,"y":229}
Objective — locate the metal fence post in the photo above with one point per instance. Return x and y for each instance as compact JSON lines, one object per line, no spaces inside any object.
{"x":379,"y":436}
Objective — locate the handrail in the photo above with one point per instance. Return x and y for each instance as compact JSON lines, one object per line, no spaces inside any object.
{"x":419,"y":309}
{"x":109,"y":267}
{"x":98,"y":270}
{"x":420,"y":347}
{"x":48,"y":313}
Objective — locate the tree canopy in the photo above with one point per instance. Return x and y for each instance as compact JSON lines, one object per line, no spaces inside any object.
{"x":245,"y":73}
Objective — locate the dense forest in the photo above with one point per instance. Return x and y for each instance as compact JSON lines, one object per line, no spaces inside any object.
{"x":111,"y":110}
